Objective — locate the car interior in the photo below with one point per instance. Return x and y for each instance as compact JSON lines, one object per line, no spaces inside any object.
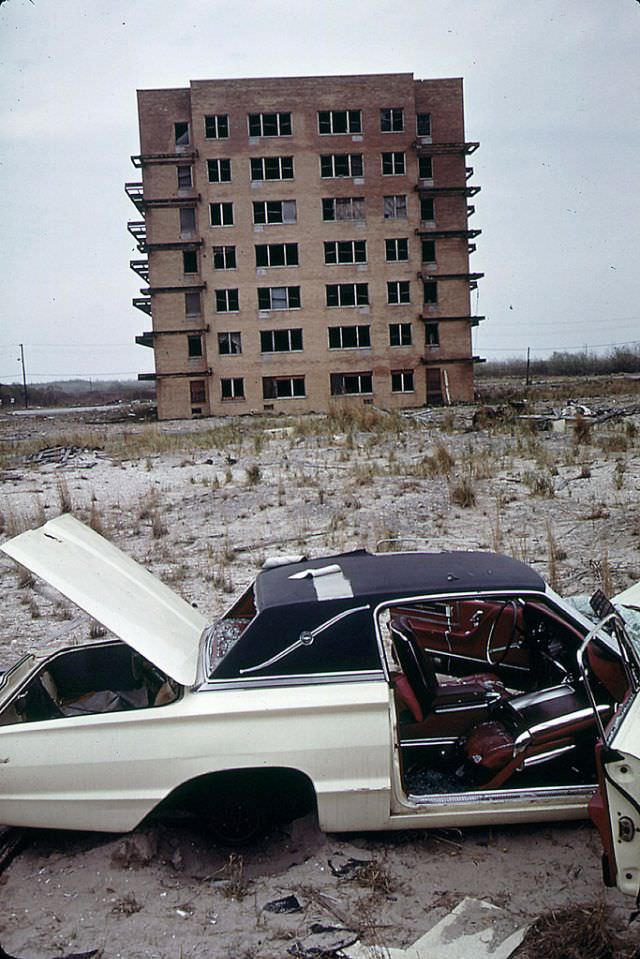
{"x":101,"y":678}
{"x":489,"y":695}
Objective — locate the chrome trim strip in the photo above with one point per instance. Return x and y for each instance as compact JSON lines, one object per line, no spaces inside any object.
{"x":444,"y":741}
{"x":301,"y":679}
{"x":501,"y":796}
{"x":466,"y":707}
{"x":543,"y":757}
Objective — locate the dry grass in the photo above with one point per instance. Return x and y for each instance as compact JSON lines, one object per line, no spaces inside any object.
{"x":462,"y":492}
{"x":578,"y":932}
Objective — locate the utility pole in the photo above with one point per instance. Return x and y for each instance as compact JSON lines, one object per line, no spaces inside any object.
{"x":527,"y":380}
{"x":24,"y":378}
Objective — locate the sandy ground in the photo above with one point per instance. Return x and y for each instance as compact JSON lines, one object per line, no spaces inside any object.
{"x":202,"y":504}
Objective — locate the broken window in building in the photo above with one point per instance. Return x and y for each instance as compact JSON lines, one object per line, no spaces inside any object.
{"x":232,"y":388}
{"x":282,"y":387}
{"x":402,"y":381}
{"x":274,"y":211}
{"x":198,"y":391}
{"x":398,"y":291}
{"x":182,"y":134}
{"x":276,"y":254}
{"x":216,"y":127}
{"x":425,"y":168}
{"x":343,"y":208}
{"x":395,"y":207}
{"x":192,"y":304}
{"x":219,"y":171}
{"x":349,"y":337}
{"x":393,"y":164}
{"x":227,"y":301}
{"x":427,"y":208}
{"x":185,"y":177}
{"x":432,"y":334}
{"x":270,"y":125}
{"x":280,"y":341}
{"x":430,"y":291}
{"x":396,"y":249}
{"x":279,"y":298}
{"x":350,"y":384}
{"x":187,"y":217}
{"x":224,"y":257}
{"x":423,"y":124}
{"x":392,"y":120}
{"x":221,"y":214}
{"x":347,"y":294}
{"x":189,"y":261}
{"x":271,"y":168}
{"x":400,"y":334}
{"x":428,"y":251}
{"x":194,"y":345}
{"x":339,"y":121}
{"x":335,"y":165}
{"x":345,"y":251}
{"x":229,"y":344}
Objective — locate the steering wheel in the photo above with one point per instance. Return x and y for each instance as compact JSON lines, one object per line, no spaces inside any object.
{"x":495,"y":632}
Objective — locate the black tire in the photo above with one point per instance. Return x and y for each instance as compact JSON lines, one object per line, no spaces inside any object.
{"x":236,"y":815}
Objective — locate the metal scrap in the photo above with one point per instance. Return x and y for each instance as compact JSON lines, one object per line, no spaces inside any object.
{"x":61,"y":454}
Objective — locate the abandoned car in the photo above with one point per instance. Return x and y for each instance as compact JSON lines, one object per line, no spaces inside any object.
{"x":390,"y":691}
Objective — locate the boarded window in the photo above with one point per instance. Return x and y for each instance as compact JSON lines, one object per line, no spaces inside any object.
{"x":198,"y":391}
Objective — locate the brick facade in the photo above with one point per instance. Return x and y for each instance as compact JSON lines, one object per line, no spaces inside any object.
{"x":369,"y":297}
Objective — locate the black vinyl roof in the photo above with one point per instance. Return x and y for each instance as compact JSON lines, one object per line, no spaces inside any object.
{"x":372,"y":577}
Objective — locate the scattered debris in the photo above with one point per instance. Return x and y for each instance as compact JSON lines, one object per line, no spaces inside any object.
{"x":322,"y":945}
{"x":286,"y":904}
{"x":578,"y":931}
{"x":136,"y":850}
{"x":127,"y":906}
{"x":71,"y":955}
{"x":61,"y":454}
{"x":347,"y":869}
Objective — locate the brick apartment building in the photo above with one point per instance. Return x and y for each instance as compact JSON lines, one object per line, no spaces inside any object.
{"x":307,"y":243}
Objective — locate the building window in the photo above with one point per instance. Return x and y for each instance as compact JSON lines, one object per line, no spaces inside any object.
{"x":350,"y":384}
{"x":229,"y":344}
{"x":224,"y":257}
{"x":396,"y":249}
{"x":272,"y":168}
{"x":221,"y":214}
{"x":277,"y":254}
{"x":343,"y":208}
{"x":402,"y":381}
{"x":427,"y":208}
{"x":279,"y":298}
{"x":425,"y":168}
{"x":187,"y":217}
{"x":423,"y":124}
{"x":216,"y":127}
{"x":227,"y":301}
{"x":219,"y":171}
{"x":349,"y":337}
{"x":345,"y":251}
{"x":398,"y":291}
{"x":280,"y":341}
{"x":339,"y":121}
{"x":192,"y":304}
{"x":282,"y":387}
{"x":232,"y":388}
{"x":395,"y":207}
{"x":432,"y":334}
{"x":400,"y":334}
{"x":194,"y":346}
{"x":393,"y":163}
{"x":428,"y":251}
{"x":347,"y":294}
{"x":392,"y":120}
{"x":185,"y":177}
{"x":430,"y":291}
{"x":182,"y":134}
{"x":274,"y":211}
{"x":270,"y":124}
{"x":335,"y":165}
{"x":198,"y":391}
{"x":189,"y":261}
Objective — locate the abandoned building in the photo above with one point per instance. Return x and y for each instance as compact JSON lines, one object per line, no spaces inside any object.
{"x":306,"y":242}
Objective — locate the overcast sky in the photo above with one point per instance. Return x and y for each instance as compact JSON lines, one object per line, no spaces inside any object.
{"x":551,"y":92}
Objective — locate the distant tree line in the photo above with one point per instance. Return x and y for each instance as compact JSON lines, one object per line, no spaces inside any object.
{"x":582,"y":363}
{"x":77,"y":392}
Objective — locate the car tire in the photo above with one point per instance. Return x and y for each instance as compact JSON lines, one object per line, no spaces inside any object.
{"x":237,"y":816}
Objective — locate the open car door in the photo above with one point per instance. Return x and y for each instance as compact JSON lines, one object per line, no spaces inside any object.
{"x":615,"y":808}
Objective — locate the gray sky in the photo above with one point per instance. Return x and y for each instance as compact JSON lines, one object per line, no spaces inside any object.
{"x":551,"y":91}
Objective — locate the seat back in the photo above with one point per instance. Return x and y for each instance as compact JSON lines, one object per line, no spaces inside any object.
{"x":418,"y":671}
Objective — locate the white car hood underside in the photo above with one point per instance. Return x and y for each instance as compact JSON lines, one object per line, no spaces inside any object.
{"x":115,"y":590}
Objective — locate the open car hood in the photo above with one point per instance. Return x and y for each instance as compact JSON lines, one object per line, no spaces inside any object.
{"x":118,"y":592}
